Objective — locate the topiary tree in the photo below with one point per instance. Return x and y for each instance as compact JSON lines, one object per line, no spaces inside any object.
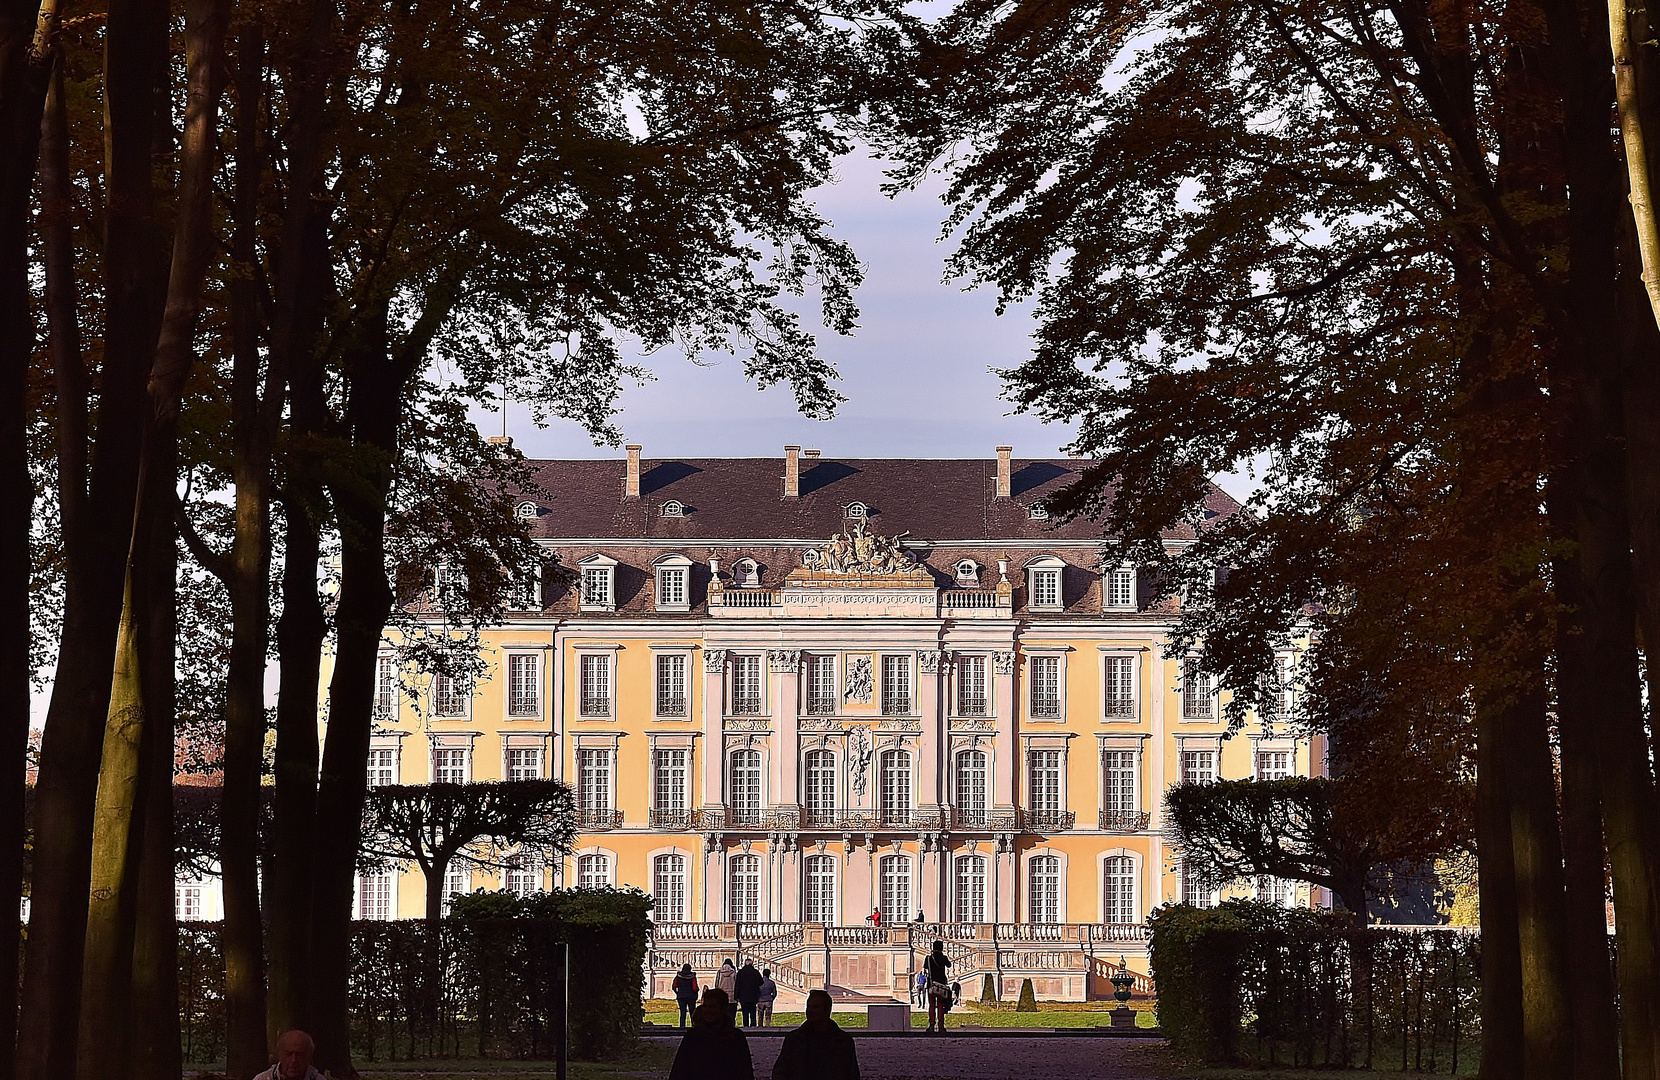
{"x":988,"y":989}
{"x":1028,"y":997}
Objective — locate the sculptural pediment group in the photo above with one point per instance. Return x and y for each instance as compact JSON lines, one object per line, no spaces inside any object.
{"x":858,"y":552}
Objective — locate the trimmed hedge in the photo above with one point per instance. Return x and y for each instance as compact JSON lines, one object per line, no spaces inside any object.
{"x":1197,"y":955}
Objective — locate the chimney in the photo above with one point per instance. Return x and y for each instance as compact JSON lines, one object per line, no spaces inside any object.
{"x":1003,"y":453}
{"x":631,"y":486}
{"x":792,"y":472}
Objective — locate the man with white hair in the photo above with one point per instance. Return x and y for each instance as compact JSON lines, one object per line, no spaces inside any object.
{"x":294,"y":1052}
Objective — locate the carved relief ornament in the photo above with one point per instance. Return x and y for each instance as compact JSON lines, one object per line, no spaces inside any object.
{"x":1003,"y":662}
{"x":784,"y":661}
{"x":714,"y":660}
{"x":928,"y":661}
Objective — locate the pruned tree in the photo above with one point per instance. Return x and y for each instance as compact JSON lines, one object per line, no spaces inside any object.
{"x":434,"y":825}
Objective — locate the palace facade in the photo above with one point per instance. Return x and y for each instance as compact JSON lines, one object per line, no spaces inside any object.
{"x":793,"y":692}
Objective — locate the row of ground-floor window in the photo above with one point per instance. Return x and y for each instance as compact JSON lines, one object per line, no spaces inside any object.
{"x":758,"y":887}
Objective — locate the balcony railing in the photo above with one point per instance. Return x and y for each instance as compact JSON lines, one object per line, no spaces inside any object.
{"x":742,"y":817}
{"x":970,"y":817}
{"x":896,"y":705}
{"x":523,"y":705}
{"x":1046,"y":708}
{"x":1119,"y":707}
{"x":971,"y":705}
{"x":1124,"y":820}
{"x":969,"y":598}
{"x":671,"y":706}
{"x":747,"y":706}
{"x":595,"y":706}
{"x":679,"y":819}
{"x":821,"y":705}
{"x":598,"y":820}
{"x":1046,"y":821}
{"x":749,"y":598}
{"x":841,"y":818}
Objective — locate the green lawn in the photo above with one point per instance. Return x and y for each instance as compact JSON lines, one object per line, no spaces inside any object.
{"x":969,"y":1014}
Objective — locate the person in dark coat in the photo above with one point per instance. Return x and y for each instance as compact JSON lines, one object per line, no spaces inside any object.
{"x":818,"y":1049}
{"x":748,"y":990}
{"x":685,"y":992}
{"x":713,"y":1049}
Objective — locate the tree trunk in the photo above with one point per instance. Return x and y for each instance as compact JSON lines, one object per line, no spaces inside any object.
{"x":1501,"y":953}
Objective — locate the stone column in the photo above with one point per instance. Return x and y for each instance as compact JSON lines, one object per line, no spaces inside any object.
{"x":786,"y":759}
{"x":714,"y":743}
{"x":1008,"y":870}
{"x":931,"y":673}
{"x":1005,"y":780}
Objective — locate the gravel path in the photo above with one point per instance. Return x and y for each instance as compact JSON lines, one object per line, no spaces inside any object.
{"x":968,"y":1058}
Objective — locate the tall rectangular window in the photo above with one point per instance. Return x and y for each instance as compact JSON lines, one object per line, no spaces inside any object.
{"x":383,"y":768}
{"x":1118,"y":890}
{"x":521,"y":878}
{"x":1121,"y":588}
{"x":1195,"y":890}
{"x":596,"y":586}
{"x":894,"y":877}
{"x":896,"y":686}
{"x":668,"y":888}
{"x":524,"y":684}
{"x":818,"y":902}
{"x":593,"y":871}
{"x":743,"y":801}
{"x":971,"y":686}
{"x":1276,"y":891}
{"x":594,"y":685}
{"x":1119,"y":674}
{"x":1046,"y":687}
{"x":1273,"y":764}
{"x":748,"y":685}
{"x":527,"y":588}
{"x":671,"y":684}
{"x":971,"y":789}
{"x":1119,"y":781}
{"x":1044,"y":780}
{"x":970,"y":889}
{"x":821,"y":685}
{"x":1043,"y":896}
{"x":1198,"y":766}
{"x":668,"y":779}
{"x":1198,"y":701}
{"x":820,"y":787}
{"x":896,"y":787}
{"x":671,"y":587}
{"x":1046,"y":588}
{"x":187,"y":903}
{"x":743,"y":894}
{"x":593,"y":779}
{"x":386,"y":688}
{"x":524,"y":763}
{"x":449,"y":696}
{"x":374,"y":896}
{"x":458,"y":881}
{"x":449,"y":765}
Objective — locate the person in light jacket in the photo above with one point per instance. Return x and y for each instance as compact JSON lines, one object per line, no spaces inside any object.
{"x":726,"y":981}
{"x":769,"y":994}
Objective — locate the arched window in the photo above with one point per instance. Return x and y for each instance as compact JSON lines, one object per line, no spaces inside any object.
{"x":1118,"y":889}
{"x":743,"y":797}
{"x":743,"y":889}
{"x":895,"y":888}
{"x":857,"y":510}
{"x":1043,"y":898}
{"x":971,"y":789}
{"x":674,"y":508}
{"x":821,"y":787}
{"x":896,"y":787}
{"x":970,"y":889}
{"x":668,"y":888}
{"x":818,"y":903}
{"x":593,"y":871}
{"x":523,"y":876}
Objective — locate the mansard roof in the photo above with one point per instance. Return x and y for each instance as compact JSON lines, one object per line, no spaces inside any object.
{"x":743,"y":498}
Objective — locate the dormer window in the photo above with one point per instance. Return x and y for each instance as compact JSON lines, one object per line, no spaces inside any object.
{"x":746,"y":573}
{"x":857,"y":510}
{"x":1118,"y":588}
{"x":599,"y":583}
{"x":968,"y":573}
{"x":674,"y":590}
{"x":527,"y":588}
{"x":526,"y":511}
{"x":1037,"y":513}
{"x":674,"y":508}
{"x":1043,"y":584}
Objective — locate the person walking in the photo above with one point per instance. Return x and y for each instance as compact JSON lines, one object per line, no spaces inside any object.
{"x":713,"y":1049}
{"x":919,"y":991}
{"x":819,"y":1049}
{"x":749,"y":991}
{"x":726,"y":981}
{"x":769,"y":994}
{"x":685,"y":992}
{"x":938,"y":969}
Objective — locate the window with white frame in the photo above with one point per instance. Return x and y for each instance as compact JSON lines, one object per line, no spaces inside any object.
{"x":672,"y":589}
{"x":599,"y":580}
{"x":973,"y":698}
{"x":857,"y":510}
{"x":1045,"y":672}
{"x":524,"y":684}
{"x":1043,"y":780}
{"x":743,"y":797}
{"x":1119,"y":782}
{"x":1273,"y":764}
{"x":668,"y":779}
{"x":593,"y":871}
{"x":896,"y":686}
{"x":450,"y":764}
{"x":746,"y":573}
{"x":819,"y":788}
{"x":1119,"y":584}
{"x":818,"y":901}
{"x":594,"y":684}
{"x":527,"y":588}
{"x":383,"y":767}
{"x":1198,"y":766}
{"x":894,"y":887}
{"x":458,"y":881}
{"x":593,"y":779}
{"x":1045,"y":584}
{"x":668,"y":888}
{"x":524,"y":763}
{"x":821,"y":685}
{"x":374,"y":897}
{"x":1118,"y":889}
{"x":1118,"y":677}
{"x":450,"y":696}
{"x":187,"y":902}
{"x":671,"y":685}
{"x":1275,"y":687}
{"x":674,"y":508}
{"x":522,"y":877}
{"x":1198,"y":700}
{"x":896,"y":787}
{"x":386,"y":688}
{"x":748,"y":685}
{"x":1195,"y":890}
{"x":743,"y":889}
{"x":971,"y":789}
{"x":1276,"y":891}
{"x":969,"y":889}
{"x":452,"y":586}
{"x":968,"y":573}
{"x":1043,"y":895}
